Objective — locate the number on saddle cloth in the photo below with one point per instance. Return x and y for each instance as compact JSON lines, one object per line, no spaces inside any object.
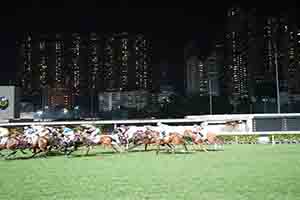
{"x":200,"y":134}
{"x":163,"y":134}
{"x":3,"y":140}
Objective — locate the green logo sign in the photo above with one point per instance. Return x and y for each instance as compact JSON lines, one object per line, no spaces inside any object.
{"x":3,"y":103}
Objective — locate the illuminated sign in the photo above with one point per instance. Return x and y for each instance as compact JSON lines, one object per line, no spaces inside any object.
{"x":4,"y":103}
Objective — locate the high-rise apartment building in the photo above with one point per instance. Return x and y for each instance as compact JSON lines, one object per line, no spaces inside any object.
{"x":25,"y":71}
{"x":196,"y":76}
{"x":86,"y":64}
{"x":255,"y":48}
{"x":236,"y":57}
{"x":127,"y":62}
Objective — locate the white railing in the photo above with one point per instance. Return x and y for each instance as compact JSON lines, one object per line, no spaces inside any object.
{"x":154,"y":121}
{"x":104,"y":122}
{"x":259,"y":133}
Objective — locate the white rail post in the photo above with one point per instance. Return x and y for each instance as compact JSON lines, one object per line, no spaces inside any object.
{"x":273,"y":140}
{"x":236,"y":139}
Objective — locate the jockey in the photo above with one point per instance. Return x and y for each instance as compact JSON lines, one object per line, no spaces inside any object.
{"x":122,"y":131}
{"x":4,"y":133}
{"x":31,"y":134}
{"x":197,"y":130}
{"x":162,"y":132}
{"x":116,"y":138}
{"x":94,"y":131}
{"x":50,"y":129}
{"x":37,"y":129}
{"x":68,"y":133}
{"x":29,"y":130}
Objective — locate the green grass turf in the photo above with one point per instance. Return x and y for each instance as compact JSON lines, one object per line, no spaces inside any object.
{"x":258,"y":172}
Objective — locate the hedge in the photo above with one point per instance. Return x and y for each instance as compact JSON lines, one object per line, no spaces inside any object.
{"x":254,"y":138}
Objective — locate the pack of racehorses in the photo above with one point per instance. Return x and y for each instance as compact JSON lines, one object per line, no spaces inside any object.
{"x":43,"y":139}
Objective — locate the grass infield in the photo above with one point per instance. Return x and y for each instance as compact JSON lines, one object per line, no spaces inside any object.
{"x":237,"y":173}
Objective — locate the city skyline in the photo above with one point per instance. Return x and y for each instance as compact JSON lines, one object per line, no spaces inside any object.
{"x":170,"y":28}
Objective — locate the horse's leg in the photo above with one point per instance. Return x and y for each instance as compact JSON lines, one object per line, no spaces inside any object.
{"x":171,"y":147}
{"x":50,"y":148}
{"x":185,"y":147}
{"x":127,"y":144}
{"x":12,"y":153}
{"x":194,"y":146}
{"x":136,"y":145}
{"x":65,"y":149}
{"x":35,"y":153}
{"x":174,"y":149}
{"x":88,"y":150}
{"x":157,"y":149}
{"x":75,"y":147}
{"x":22,"y":150}
{"x":71,"y":151}
{"x":114,"y":147}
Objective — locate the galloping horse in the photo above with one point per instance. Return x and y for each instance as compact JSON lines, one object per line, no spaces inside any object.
{"x":194,"y":133}
{"x":207,"y":136}
{"x":106,"y":140}
{"x":12,"y":140}
{"x":131,"y":134}
{"x":174,"y":136}
{"x":42,"y":139}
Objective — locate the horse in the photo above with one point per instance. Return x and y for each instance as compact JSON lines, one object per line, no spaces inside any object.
{"x":13,"y":141}
{"x":173,"y":138}
{"x":131,"y":134}
{"x":106,"y":140}
{"x":193,"y":134}
{"x":44,"y":140}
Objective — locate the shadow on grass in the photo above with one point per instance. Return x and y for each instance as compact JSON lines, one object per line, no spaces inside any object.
{"x":105,"y":153}
{"x":140,"y":150}
{"x":176,"y":152}
{"x":210,"y":150}
{"x":38,"y":156}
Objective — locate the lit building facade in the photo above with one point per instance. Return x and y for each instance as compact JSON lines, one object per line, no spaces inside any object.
{"x":25,"y":70}
{"x":115,"y":100}
{"x":196,"y":76}
{"x":213,"y":75}
{"x":85,"y":63}
{"x":236,"y":57}
{"x":60,"y":97}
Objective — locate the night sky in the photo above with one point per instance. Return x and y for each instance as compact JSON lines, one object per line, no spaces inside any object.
{"x":170,"y":26}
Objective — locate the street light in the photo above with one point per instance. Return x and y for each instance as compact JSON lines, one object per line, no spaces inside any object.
{"x":40,"y":114}
{"x":252,"y":101}
{"x":276,"y":69}
{"x":65,"y":111}
{"x":210,"y":96}
{"x":265,"y":100}
{"x":277,"y":81}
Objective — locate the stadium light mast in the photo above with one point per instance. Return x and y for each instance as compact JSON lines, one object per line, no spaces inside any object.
{"x":276,"y":71}
{"x":210,"y":96}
